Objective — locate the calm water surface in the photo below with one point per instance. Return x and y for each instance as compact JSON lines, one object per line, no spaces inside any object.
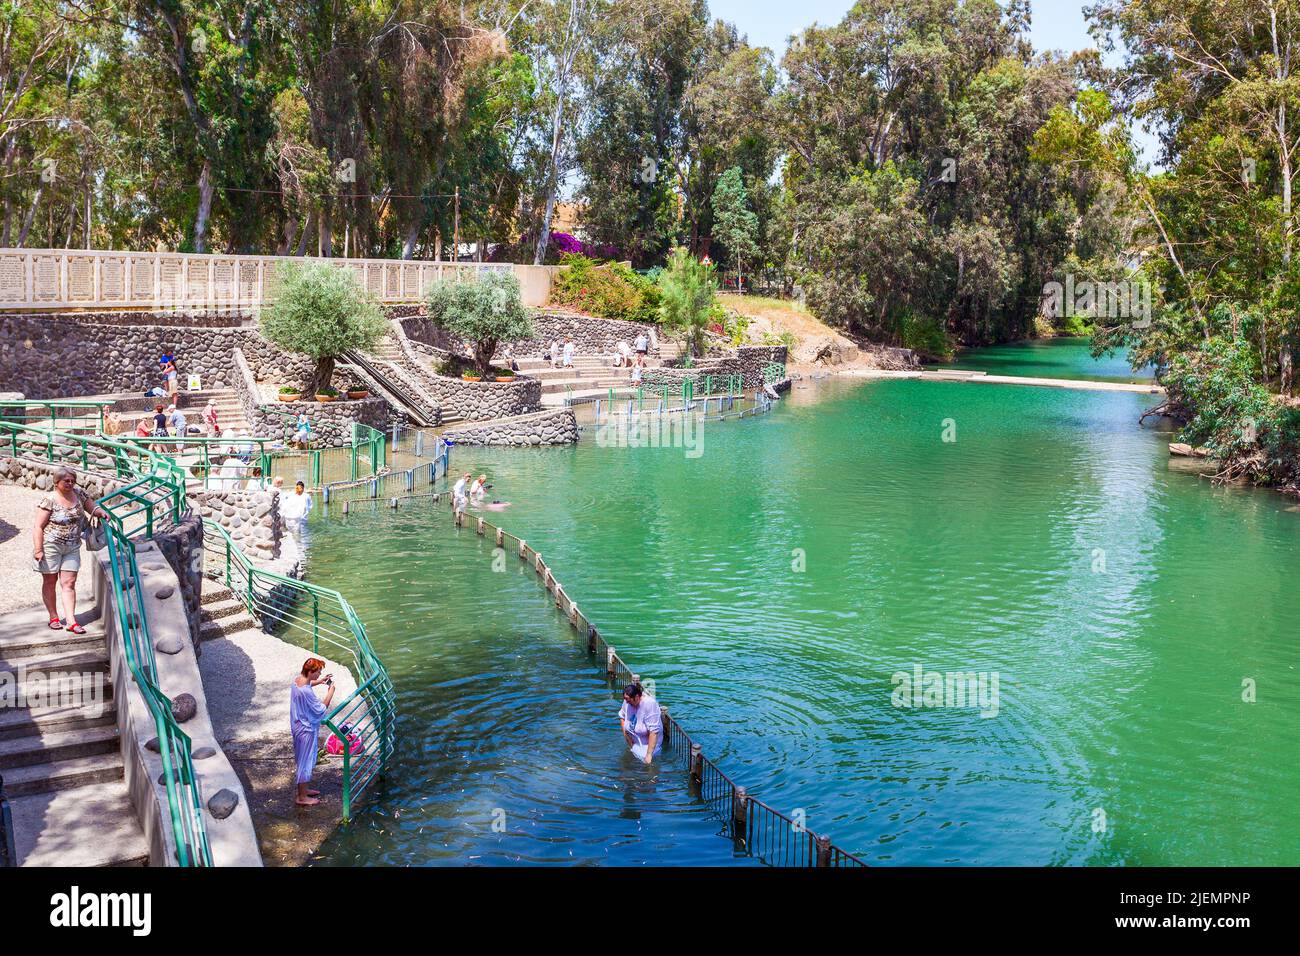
{"x":772,"y":585}
{"x":1050,"y":358}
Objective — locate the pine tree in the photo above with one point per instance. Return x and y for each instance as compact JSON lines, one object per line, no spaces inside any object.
{"x":734,"y":223}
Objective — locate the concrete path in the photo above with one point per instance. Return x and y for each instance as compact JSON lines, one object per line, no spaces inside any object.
{"x":961,"y":375}
{"x":23,"y":584}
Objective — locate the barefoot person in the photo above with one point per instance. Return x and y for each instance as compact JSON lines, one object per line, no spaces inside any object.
{"x":306,"y":711}
{"x":56,"y":547}
{"x":642,"y":723}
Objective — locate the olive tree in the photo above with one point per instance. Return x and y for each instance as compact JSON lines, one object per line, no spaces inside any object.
{"x":322,"y":311}
{"x":485,"y":312}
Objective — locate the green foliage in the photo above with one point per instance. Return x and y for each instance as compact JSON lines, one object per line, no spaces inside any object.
{"x":734,"y":223}
{"x":610,"y":290}
{"x":688,"y":298}
{"x":1248,"y":430}
{"x":484,"y":312}
{"x":321,"y":311}
{"x":927,"y":337}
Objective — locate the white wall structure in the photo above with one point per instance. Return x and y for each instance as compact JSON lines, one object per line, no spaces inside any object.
{"x":38,"y":279}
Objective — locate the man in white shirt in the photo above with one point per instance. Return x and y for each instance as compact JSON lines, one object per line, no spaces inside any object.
{"x":295,"y":506}
{"x":642,"y":343}
{"x":460,"y":492}
{"x":568,"y":353}
{"x":642,"y":723}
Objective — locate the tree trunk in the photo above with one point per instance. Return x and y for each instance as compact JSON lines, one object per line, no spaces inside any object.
{"x":322,"y":376}
{"x":31,"y":215}
{"x":205,"y":208}
{"x":412,"y":234}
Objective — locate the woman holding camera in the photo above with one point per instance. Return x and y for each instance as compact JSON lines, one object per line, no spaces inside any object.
{"x":306,"y":711}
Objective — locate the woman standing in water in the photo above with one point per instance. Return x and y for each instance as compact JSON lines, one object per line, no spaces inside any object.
{"x":306,"y":711}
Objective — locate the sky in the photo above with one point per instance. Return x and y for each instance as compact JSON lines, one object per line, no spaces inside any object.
{"x":1057,"y":24}
{"x":1054,"y":25}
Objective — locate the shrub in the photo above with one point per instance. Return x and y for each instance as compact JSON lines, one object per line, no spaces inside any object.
{"x":610,"y":290}
{"x":927,"y":337}
{"x":484,"y":312}
{"x":321,"y":311}
{"x":688,"y":297}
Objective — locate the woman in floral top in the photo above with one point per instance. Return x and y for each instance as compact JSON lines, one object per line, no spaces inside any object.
{"x":56,"y":546}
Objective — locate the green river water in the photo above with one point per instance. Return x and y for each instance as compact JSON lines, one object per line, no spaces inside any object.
{"x":773,"y":584}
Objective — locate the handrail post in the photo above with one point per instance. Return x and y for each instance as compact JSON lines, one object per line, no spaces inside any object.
{"x":347,"y":779}
{"x":823,"y":851}
{"x":697,"y":764}
{"x":739,"y":814}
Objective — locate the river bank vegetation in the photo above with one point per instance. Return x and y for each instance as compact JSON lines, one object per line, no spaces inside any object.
{"x":917,"y":172}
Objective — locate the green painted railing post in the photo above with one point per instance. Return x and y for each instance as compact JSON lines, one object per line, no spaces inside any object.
{"x":347,"y":781}
{"x":354,"y":461}
{"x":228,"y":565}
{"x":315,"y":623}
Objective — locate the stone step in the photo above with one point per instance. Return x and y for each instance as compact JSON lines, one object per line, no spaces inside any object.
{"x":50,"y":746}
{"x":92,"y":825}
{"x":93,"y":660}
{"x":218,"y":610}
{"x":23,"y":722}
{"x":63,"y":774}
{"x":26,"y":632}
{"x":213,"y":630}
{"x":214,"y":592}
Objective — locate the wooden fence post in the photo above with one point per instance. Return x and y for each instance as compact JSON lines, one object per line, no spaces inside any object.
{"x":668,"y":725}
{"x":591,"y":639}
{"x":697,"y":764}
{"x":611,"y":662}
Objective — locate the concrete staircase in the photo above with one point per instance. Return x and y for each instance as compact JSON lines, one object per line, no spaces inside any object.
{"x":62,"y":765}
{"x":222,"y":613}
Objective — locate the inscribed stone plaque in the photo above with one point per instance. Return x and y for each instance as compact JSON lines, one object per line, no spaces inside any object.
{"x":81,"y":279}
{"x":223,"y":279}
{"x":142,"y":278}
{"x":196,"y":280}
{"x":112,"y":279}
{"x":13,"y":278}
{"x":45,"y":277}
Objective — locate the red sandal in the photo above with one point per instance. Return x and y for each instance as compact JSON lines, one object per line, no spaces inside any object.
{"x":56,"y":624}
{"x":76,"y":628}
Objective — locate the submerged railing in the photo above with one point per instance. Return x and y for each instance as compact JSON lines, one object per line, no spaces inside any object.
{"x":756,"y":827}
{"x":317,"y":616}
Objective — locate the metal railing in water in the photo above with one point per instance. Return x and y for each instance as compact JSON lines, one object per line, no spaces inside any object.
{"x":757,"y":828}
{"x":316,"y":616}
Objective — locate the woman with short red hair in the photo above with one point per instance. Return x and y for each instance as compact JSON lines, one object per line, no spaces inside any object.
{"x":306,"y":711}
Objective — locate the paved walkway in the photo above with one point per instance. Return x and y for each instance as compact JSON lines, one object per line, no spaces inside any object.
{"x":17,"y":515}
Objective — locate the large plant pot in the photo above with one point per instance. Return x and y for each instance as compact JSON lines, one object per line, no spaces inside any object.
{"x":471,"y":378}
{"x":505,"y":378}
{"x":291,"y":397}
{"x":321,"y":397}
{"x":357,"y":395}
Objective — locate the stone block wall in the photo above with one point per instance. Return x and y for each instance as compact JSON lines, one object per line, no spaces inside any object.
{"x":251,"y":518}
{"x":748,"y":362}
{"x":57,"y":356}
{"x":331,"y":422}
{"x":590,"y":335}
{"x":556,"y":426}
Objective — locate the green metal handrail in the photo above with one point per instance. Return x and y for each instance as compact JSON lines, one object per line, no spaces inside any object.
{"x":205,"y":446}
{"x":317,"y":615}
{"x":773,"y":372}
{"x":88,"y":452}
{"x":131,"y":513}
{"x":51,"y":407}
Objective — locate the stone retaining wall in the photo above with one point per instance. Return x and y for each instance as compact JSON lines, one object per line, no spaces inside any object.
{"x":59,"y":356}
{"x":331,"y":422}
{"x":556,"y":426}
{"x":590,"y":335}
{"x":478,"y":401}
{"x":748,"y":362}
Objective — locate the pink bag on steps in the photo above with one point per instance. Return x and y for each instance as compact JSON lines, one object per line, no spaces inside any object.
{"x":335,"y":746}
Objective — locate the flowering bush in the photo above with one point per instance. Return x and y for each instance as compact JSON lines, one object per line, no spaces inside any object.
{"x":611,"y":291}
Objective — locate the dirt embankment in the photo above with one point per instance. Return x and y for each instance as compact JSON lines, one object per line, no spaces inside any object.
{"x":816,"y":346}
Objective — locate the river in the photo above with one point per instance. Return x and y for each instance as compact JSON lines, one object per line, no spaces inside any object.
{"x":1140,"y":624}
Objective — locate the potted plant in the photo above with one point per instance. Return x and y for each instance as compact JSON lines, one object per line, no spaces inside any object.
{"x":290,"y":393}
{"x":356,"y":390}
{"x":471,"y":375}
{"x":327,"y":393}
{"x":505,"y":375}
